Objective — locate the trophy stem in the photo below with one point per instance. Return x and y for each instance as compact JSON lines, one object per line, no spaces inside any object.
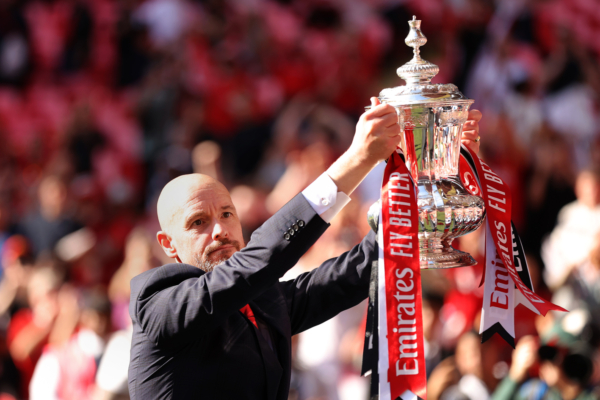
{"x":436,"y":253}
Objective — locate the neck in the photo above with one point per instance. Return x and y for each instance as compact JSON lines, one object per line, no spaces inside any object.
{"x":50,"y":213}
{"x":568,"y":390}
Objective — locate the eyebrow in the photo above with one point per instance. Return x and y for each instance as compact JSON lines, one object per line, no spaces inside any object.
{"x":192,"y":217}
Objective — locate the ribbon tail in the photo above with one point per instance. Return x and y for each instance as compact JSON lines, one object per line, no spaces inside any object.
{"x":408,"y":395}
{"x":499,"y":329}
{"x":547,"y":306}
{"x":519,"y":258}
{"x":498,"y":314}
{"x":520,"y":299}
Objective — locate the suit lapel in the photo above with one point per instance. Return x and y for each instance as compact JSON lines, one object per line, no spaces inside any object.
{"x":270,"y":308}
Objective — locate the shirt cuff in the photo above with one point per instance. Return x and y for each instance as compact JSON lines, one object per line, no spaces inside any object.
{"x":324,"y":197}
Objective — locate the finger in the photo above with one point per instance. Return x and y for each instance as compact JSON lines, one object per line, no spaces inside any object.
{"x":375,"y":102}
{"x":463,"y":140}
{"x":475,"y":115}
{"x":469,"y":141}
{"x":380,"y":110}
{"x":389,"y":120}
{"x":471,"y":125}
{"x":471,"y":145}
{"x":392,"y":131}
{"x":470,"y":135}
{"x":393,"y":123}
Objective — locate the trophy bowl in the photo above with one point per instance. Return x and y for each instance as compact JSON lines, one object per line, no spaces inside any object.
{"x":431,"y":117}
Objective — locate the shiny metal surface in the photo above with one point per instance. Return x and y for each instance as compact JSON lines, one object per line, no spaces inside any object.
{"x":431,"y":116}
{"x":373,"y":215}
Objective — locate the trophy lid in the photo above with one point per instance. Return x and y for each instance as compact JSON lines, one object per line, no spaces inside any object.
{"x":418,"y":74}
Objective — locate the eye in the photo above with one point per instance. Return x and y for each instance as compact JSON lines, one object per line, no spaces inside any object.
{"x":227,"y":214}
{"x":197,"y":222}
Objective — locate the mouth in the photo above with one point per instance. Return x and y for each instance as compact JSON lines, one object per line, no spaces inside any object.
{"x":225,"y":247}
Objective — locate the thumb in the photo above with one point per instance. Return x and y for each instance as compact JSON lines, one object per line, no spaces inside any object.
{"x":375,"y":102}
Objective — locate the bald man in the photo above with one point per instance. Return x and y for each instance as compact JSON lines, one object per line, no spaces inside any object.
{"x":217,"y":324}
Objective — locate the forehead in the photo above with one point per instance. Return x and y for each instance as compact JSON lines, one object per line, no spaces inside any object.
{"x":206,"y":194}
{"x":205,"y":199}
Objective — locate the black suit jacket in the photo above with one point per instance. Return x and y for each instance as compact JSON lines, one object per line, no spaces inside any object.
{"x":190,"y":341}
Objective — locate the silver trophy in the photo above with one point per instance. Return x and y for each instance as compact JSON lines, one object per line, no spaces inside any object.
{"x":431,"y":117}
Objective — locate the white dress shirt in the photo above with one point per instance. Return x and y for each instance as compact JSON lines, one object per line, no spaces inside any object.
{"x":324,"y":198}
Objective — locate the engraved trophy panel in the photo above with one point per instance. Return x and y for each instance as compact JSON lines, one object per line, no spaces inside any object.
{"x":431,"y":116}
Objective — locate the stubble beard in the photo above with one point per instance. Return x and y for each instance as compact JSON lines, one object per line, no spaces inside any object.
{"x":207,"y":265}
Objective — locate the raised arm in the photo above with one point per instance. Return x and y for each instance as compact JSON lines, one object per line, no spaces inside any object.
{"x":338,"y":284}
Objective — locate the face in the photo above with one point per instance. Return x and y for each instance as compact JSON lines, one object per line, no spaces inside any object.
{"x":549,"y":373}
{"x":587,"y":189}
{"x":468,"y":354}
{"x":52,"y":196}
{"x":205,"y":230}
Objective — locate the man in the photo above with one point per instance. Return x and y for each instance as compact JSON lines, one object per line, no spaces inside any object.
{"x":52,"y":221}
{"x":578,"y":226}
{"x":218,"y":324}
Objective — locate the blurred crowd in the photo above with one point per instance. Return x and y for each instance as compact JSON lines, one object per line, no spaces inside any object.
{"x":102,"y":102}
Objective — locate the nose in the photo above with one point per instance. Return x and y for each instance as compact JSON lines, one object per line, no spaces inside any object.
{"x":219,"y":231}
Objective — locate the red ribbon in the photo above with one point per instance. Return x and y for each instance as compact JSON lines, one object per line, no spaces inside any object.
{"x":468,"y":177}
{"x":402,"y":281}
{"x":496,"y":196}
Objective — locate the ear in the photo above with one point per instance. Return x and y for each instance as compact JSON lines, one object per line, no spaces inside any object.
{"x":167,"y":244}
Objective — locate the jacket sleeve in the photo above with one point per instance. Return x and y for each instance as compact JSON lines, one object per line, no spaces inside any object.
{"x":178,"y":302}
{"x":508,"y":389}
{"x":338,"y":284}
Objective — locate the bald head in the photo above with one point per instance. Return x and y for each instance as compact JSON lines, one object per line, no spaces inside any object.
{"x":198,"y":221}
{"x":178,"y":192}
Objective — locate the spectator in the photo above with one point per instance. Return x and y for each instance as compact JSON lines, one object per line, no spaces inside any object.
{"x":305,"y":383}
{"x":15,"y":50}
{"x":139,"y":257}
{"x":30,"y":328}
{"x":470,"y":366}
{"x":17,"y":263}
{"x":51,"y":222}
{"x":578,"y":225}
{"x":561,"y":376}
{"x":111,"y":378}
{"x":67,"y":371}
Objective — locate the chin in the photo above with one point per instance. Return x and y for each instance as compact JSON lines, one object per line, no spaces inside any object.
{"x":221,"y":260}
{"x":210,"y":264}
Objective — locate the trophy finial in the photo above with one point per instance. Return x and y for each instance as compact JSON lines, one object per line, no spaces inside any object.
{"x":415,"y":38}
{"x":417,"y":70}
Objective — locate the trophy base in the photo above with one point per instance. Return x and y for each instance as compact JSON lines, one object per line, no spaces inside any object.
{"x":438,"y":254}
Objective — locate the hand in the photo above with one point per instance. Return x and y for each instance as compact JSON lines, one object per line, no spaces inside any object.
{"x":443,"y":375}
{"x":67,"y":301}
{"x":377,"y":133}
{"x":377,"y":136}
{"x":523,"y":357}
{"x":470,"y":131}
